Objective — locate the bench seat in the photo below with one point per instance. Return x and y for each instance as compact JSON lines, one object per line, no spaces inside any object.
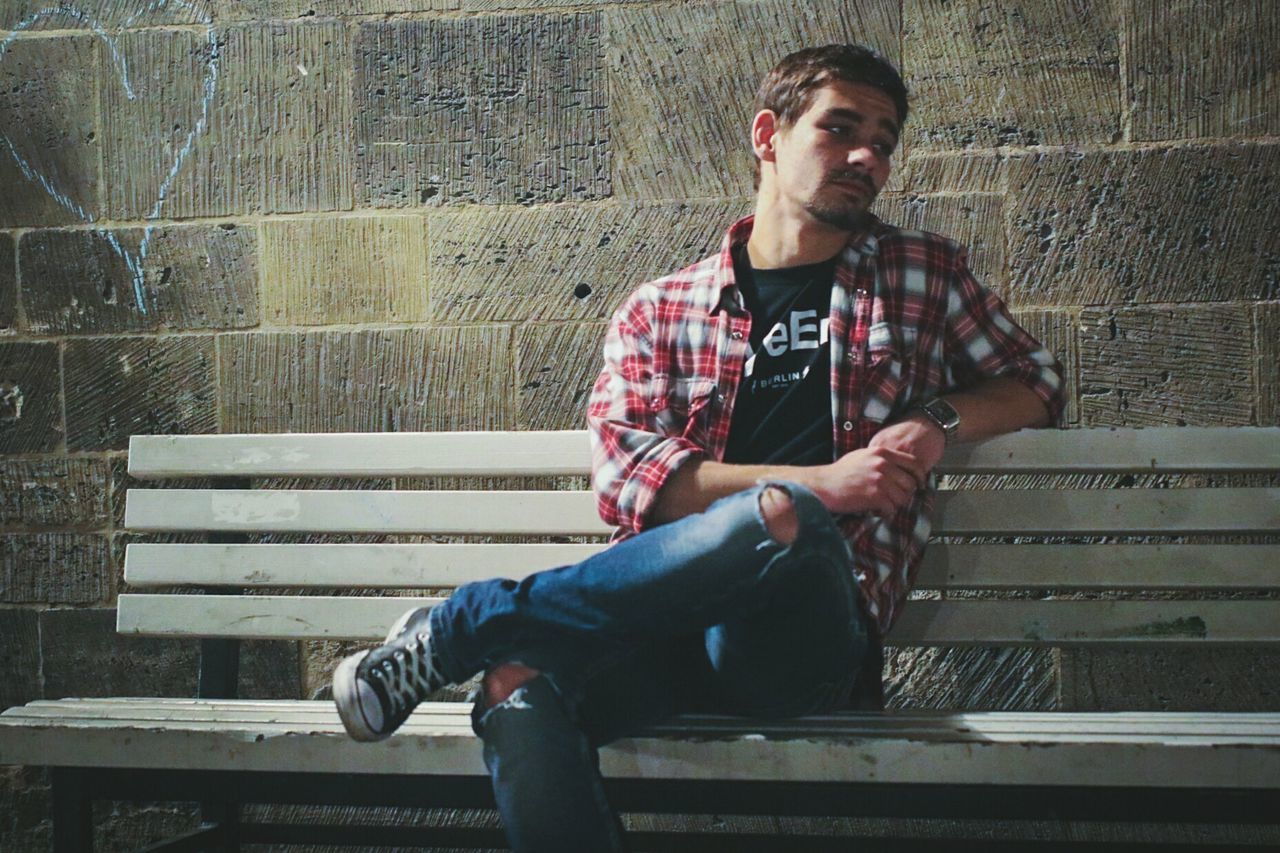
{"x":1226,"y":750}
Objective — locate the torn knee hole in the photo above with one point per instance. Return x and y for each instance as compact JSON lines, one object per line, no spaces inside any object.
{"x":779,"y":513}
{"x":503,"y":680}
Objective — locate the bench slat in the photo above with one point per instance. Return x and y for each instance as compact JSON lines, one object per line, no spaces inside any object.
{"x":945,"y":566}
{"x":923,"y":623}
{"x":1149,"y":450}
{"x":567,"y":513}
{"x":904,"y":719}
{"x":1011,"y":511}
{"x":1160,"y":449}
{"x":1090,"y":511}
{"x":946,"y":749}
{"x":528,"y":453}
{"x":1225,"y":727}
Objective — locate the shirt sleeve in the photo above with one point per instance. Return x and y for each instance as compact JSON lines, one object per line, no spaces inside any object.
{"x":631,"y":456}
{"x":983,"y":341}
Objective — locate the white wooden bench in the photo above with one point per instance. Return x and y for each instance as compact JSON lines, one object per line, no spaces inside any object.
{"x":223,"y":752}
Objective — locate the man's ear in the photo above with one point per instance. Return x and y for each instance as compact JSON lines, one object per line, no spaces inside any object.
{"x":764,"y":129}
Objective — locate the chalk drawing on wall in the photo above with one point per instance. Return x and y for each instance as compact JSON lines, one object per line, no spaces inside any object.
{"x":133,"y":261}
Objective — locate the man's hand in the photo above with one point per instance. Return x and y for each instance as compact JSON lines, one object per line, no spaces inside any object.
{"x":917,"y":436}
{"x":874,"y":479}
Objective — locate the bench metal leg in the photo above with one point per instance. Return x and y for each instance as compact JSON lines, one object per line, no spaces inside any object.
{"x":72,"y":812}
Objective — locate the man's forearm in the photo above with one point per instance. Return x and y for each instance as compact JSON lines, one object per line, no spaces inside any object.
{"x":699,"y":483}
{"x":996,"y":406}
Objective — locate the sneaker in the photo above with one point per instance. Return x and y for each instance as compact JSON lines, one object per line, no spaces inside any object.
{"x":376,"y":690}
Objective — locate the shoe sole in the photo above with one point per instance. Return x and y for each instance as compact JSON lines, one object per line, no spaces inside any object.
{"x":347,"y":697}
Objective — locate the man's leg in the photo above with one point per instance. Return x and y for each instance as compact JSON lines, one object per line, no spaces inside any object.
{"x":540,"y":743}
{"x":673,"y":580}
{"x":777,"y":511}
{"x":541,"y":736}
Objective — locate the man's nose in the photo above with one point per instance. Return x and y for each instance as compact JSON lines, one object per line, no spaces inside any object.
{"x":862,"y":155}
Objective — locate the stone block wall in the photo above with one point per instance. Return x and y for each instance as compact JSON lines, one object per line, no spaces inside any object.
{"x":271,"y":215}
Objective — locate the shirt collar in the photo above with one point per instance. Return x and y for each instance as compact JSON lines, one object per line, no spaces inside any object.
{"x":863,"y":243}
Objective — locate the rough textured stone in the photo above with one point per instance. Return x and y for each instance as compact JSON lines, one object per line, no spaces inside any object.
{"x":670,"y":145}
{"x":41,"y":492}
{"x":1027,"y":72}
{"x":1059,"y":332}
{"x":1150,"y":225}
{"x":1166,"y":366}
{"x":564,"y":262}
{"x":258,"y":9}
{"x":30,"y":398}
{"x":350,"y":269}
{"x":1266,"y":320}
{"x":36,"y":15}
{"x":19,"y":657}
{"x":134,"y":826}
{"x":956,"y":171}
{"x":970,"y":678}
{"x":49,"y":146}
{"x":556,"y":367}
{"x":1170,"y":679}
{"x":270,"y":669}
{"x":193,"y":277}
{"x":55,"y":568}
{"x":118,"y":387}
{"x":8,"y":283}
{"x":84,"y":656}
{"x":277,"y":130}
{"x":974,"y":220}
{"x":25,"y":809}
{"x":369,"y":381}
{"x":491,"y":109}
{"x":1203,"y":68}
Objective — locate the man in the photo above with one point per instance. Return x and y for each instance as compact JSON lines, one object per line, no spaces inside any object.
{"x":763,"y":434}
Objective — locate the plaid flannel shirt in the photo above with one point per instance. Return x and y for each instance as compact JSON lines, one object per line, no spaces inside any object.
{"x":908,"y":322}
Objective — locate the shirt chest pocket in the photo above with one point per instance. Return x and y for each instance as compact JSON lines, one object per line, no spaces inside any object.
{"x":888,"y":375}
{"x":679,"y":405}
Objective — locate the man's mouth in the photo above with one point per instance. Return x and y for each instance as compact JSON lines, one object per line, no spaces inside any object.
{"x":855,"y":182}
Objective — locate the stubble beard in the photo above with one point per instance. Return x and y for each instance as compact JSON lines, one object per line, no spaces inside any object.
{"x":845,"y":214}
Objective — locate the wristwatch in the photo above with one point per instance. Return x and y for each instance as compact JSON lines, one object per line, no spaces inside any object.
{"x":944,"y":415}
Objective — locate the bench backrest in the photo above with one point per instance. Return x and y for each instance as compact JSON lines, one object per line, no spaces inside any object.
{"x":1044,"y":538}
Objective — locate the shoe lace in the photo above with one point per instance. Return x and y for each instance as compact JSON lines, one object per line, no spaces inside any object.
{"x":412,"y":676}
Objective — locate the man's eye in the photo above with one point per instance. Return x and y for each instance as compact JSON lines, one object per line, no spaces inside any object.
{"x":884,"y":149}
{"x":838,"y":129}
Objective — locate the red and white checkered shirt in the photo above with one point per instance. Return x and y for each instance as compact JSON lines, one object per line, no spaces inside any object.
{"x":908,"y":322}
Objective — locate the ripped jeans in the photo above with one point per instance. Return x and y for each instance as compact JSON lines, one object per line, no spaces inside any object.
{"x":708,"y":614}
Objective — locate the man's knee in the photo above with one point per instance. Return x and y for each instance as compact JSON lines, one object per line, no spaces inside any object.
{"x":503,"y":680}
{"x":779,"y":514}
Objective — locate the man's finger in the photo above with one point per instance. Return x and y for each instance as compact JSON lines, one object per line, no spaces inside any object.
{"x":908,"y":462}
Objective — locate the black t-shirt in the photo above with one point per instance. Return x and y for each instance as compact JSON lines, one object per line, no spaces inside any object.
{"x":782,"y":415}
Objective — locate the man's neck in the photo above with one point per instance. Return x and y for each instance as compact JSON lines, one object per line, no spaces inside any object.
{"x":782,"y":239}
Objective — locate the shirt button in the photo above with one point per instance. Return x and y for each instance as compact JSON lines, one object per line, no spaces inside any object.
{"x":737,"y":336}
{"x":847,"y":426}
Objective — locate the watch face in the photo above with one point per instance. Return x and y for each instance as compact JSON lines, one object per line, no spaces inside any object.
{"x":945,"y":413}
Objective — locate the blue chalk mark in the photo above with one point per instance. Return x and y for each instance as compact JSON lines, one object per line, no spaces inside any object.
{"x":134,"y":263}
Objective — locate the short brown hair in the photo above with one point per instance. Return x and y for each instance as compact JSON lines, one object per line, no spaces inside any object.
{"x":790,"y":87}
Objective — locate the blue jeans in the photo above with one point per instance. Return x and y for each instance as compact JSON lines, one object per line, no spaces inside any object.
{"x":707,"y":614}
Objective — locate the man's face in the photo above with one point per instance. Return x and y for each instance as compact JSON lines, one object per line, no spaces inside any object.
{"x":836,"y":157}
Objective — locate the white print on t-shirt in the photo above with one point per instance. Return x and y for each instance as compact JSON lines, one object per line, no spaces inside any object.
{"x":778,"y":380}
{"x":798,"y":331}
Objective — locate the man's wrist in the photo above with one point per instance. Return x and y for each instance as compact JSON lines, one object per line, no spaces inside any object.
{"x":941,"y":415}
